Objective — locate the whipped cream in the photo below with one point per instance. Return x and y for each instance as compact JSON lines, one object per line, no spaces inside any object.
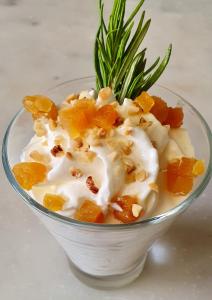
{"x":151,"y":148}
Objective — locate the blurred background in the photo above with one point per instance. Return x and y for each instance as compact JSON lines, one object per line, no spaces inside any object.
{"x":45,"y":42}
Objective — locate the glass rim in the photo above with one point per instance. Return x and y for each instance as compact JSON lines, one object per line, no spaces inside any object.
{"x":67,"y":220}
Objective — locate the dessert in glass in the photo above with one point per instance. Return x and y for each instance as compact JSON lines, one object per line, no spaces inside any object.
{"x":107,"y":163}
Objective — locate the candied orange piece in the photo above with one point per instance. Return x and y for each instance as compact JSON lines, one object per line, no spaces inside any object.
{"x":89,"y":212}
{"x":78,"y":118}
{"x":29,"y":173}
{"x":126,"y":203}
{"x":39,"y":106}
{"x":145,"y":101}
{"x":198,"y":168}
{"x":180,"y":175}
{"x":53,"y":202}
{"x":160,"y":109}
{"x":105,"y":117}
{"x":175,"y":117}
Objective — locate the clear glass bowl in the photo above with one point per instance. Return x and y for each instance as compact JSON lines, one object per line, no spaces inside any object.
{"x":106,"y":256}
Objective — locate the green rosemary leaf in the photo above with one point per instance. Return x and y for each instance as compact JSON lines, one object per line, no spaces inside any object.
{"x":133,"y":48}
{"x":159,"y":70}
{"x":134,"y":13}
{"x":129,"y":77}
{"x":118,"y":62}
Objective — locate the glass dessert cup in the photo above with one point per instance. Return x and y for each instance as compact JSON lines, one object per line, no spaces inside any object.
{"x":106,"y":255}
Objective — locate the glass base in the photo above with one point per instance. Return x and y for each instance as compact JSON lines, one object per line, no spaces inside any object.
{"x":108,"y":282}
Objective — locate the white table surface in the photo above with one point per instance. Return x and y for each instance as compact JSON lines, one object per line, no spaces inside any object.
{"x":44,"y":42}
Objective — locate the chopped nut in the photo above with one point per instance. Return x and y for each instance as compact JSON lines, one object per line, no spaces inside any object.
{"x":42,"y":158}
{"x":144,"y":124}
{"x":128,"y":131}
{"x":105,"y":93}
{"x":77,"y":173}
{"x":119,"y":121}
{"x":127,"y":148}
{"x":39,"y":128}
{"x":130,"y":177}
{"x":72,"y":97}
{"x":101,"y":133}
{"x":136,"y":210}
{"x":114,"y":104}
{"x":141,"y":176}
{"x":154,"y":187}
{"x":52,"y":124}
{"x":78,"y":143}
{"x":113,"y":156}
{"x":129,"y":165}
{"x":69,"y":155}
{"x":59,"y":140}
{"x":133,"y":110}
{"x":91,"y":185}
{"x":57,"y":151}
{"x":154,"y":144}
{"x":88,"y":156}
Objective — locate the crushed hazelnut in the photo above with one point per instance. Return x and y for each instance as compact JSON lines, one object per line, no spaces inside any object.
{"x":72,"y":97}
{"x":69,"y":155}
{"x":129,"y":165}
{"x":59,"y":140}
{"x":57,"y":151}
{"x":127,"y":148}
{"x":130,"y":177}
{"x":136,"y":210}
{"x":42,"y":158}
{"x":144,"y":124}
{"x":78,"y":143}
{"x":77,"y":173}
{"x":101,"y":133}
{"x":154,"y":187}
{"x":91,"y":185}
{"x":105,"y":93}
{"x":128,"y":131}
{"x":39,"y":128}
{"x":141,"y":176}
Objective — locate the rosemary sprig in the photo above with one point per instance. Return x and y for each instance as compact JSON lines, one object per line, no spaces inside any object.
{"x":118,"y":61}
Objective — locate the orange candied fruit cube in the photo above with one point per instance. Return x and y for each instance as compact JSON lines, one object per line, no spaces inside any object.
{"x":78,"y":118}
{"x":180,"y":176}
{"x":28,"y":174}
{"x":198,"y":168}
{"x":175,"y":117}
{"x":39,"y":105}
{"x":160,"y":109}
{"x":89,"y":212}
{"x":145,"y":101}
{"x":53,"y":202}
{"x":105,"y":117}
{"x":126,"y":203}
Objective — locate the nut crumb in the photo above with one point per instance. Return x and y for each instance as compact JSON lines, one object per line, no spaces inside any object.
{"x":77,"y":173}
{"x":71,"y":97}
{"x":136,"y":210}
{"x":91,"y":185}
{"x":101,"y":133}
{"x":129,"y":166}
{"x":59,"y":140}
{"x":128,"y":131}
{"x":144,"y":124}
{"x":78,"y":143}
{"x":42,"y":158}
{"x":154,"y":187}
{"x":57,"y":151}
{"x":127,"y":148}
{"x":141,"y":176}
{"x":69,"y":155}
